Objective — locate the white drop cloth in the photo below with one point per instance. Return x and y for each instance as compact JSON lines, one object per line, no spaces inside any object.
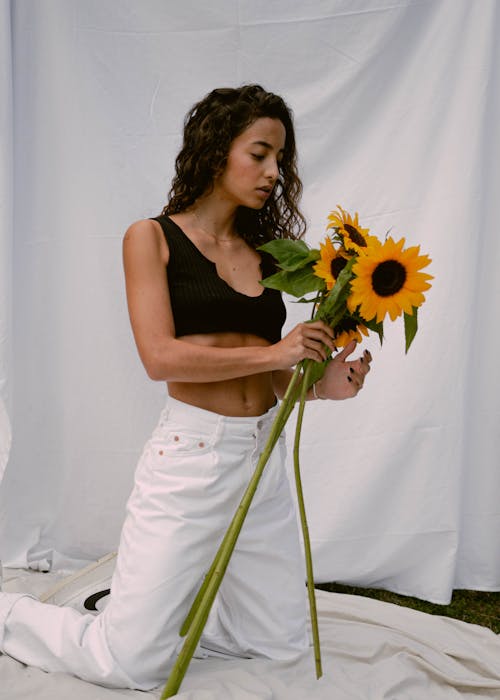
{"x":371,"y":651}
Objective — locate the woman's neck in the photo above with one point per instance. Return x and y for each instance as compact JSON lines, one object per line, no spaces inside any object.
{"x":214,"y":218}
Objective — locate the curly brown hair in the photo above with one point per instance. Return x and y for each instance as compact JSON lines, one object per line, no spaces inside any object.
{"x":209,"y":129}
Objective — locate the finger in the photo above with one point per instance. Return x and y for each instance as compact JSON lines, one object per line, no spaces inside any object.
{"x":317,"y":348}
{"x":355,"y":378}
{"x":318,"y":335}
{"x":349,"y":348}
{"x":312,"y":354}
{"x":361,"y":368}
{"x":354,"y":385}
{"x":365,"y":360}
{"x":322,"y":326}
{"x":308,"y":347}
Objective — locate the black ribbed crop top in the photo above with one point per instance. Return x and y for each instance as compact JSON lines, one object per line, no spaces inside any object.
{"x":202,"y":302}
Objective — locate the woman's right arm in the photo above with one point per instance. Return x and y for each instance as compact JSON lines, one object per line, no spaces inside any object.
{"x":145,"y":259}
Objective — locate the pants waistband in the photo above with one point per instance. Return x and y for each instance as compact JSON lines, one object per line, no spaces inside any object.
{"x":186,"y":413}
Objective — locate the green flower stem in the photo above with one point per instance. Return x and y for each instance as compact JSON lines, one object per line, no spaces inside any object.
{"x":303,"y":521}
{"x":198,"y":615}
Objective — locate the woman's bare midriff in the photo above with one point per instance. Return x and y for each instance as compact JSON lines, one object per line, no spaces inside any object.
{"x":244,"y":396}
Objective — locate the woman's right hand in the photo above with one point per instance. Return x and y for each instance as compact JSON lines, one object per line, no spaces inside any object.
{"x":305,"y":341}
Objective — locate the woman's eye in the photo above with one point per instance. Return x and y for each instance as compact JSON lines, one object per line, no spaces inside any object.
{"x":257,"y":156}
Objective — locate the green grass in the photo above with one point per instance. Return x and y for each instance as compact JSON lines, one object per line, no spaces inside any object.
{"x":477,"y":607}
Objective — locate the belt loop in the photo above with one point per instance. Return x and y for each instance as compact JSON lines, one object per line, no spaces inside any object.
{"x":218,"y":429}
{"x":166,"y":412}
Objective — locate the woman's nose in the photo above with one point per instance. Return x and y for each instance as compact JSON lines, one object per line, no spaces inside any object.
{"x":272,"y":170}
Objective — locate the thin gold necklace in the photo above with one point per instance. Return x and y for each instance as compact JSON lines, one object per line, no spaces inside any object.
{"x":209,"y":233}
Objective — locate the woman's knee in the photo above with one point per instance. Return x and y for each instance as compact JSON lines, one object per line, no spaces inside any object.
{"x":146,"y":663}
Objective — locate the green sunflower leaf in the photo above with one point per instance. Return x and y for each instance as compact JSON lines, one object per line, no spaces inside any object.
{"x":290,"y":255}
{"x":375,"y":326}
{"x":307,"y":300}
{"x":339,"y":293}
{"x":295,"y":282}
{"x":411,"y":327}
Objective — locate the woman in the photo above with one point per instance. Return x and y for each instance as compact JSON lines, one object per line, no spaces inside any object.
{"x":204,"y":324}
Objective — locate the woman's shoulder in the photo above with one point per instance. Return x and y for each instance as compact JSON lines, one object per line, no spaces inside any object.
{"x":146,"y":235}
{"x":143,"y":227}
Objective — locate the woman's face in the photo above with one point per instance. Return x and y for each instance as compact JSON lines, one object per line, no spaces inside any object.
{"x":252,"y":166}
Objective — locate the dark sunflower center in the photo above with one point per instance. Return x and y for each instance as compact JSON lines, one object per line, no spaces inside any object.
{"x":336,"y":266}
{"x":388,"y":278}
{"x":355,"y":235}
{"x":346,"y":324}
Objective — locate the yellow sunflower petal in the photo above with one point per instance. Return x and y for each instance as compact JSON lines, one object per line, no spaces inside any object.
{"x":348,"y":329}
{"x":387,"y":280}
{"x":331,"y":262}
{"x":355,"y":238}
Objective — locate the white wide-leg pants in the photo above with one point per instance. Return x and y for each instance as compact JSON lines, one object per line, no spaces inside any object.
{"x":188,"y":483}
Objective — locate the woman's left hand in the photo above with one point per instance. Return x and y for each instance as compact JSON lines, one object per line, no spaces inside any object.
{"x":344,"y":378}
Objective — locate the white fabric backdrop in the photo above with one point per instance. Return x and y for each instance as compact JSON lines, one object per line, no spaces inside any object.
{"x":6,"y":195}
{"x":397,"y":107}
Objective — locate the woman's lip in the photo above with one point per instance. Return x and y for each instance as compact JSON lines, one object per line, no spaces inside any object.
{"x":263,"y":192}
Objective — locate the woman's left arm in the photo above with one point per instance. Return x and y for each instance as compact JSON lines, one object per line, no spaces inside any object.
{"x":343,"y":378}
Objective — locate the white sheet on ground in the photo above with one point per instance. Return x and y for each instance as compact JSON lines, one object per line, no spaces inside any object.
{"x":371,"y":651}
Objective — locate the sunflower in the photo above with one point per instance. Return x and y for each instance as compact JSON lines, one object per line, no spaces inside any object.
{"x":387,"y":280}
{"x":354,"y":238}
{"x":348,"y":329}
{"x":331,"y":263}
